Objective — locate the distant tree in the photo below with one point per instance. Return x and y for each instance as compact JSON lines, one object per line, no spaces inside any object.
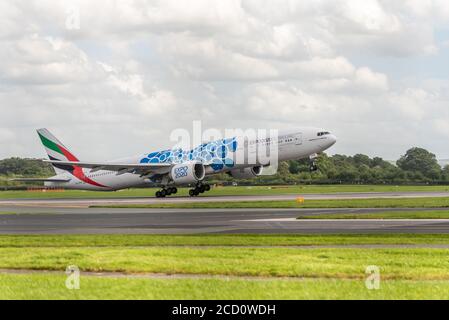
{"x":340,"y":160}
{"x":394,"y":174}
{"x":415,"y":176}
{"x":348,"y":174}
{"x":422,"y":161}
{"x":326,"y":164}
{"x":283,"y":171}
{"x":293,"y":167}
{"x":377,"y":162}
{"x":365,"y":173}
{"x":25,"y":167}
{"x":361,"y":159}
{"x":445,"y":173}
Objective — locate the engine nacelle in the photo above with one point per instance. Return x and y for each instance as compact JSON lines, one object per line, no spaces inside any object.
{"x":186,"y":173}
{"x":246,"y":173}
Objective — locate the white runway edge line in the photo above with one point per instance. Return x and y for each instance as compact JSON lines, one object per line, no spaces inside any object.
{"x":344,"y":220}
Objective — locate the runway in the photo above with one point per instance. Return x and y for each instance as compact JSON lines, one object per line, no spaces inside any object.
{"x":67,"y":202}
{"x":74,"y":216}
{"x":35,"y":220}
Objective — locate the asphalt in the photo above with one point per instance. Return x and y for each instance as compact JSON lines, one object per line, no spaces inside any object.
{"x":73,"y":216}
{"x":41,"y":220}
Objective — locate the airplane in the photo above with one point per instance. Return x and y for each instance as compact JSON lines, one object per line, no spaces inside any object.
{"x":169,"y":169}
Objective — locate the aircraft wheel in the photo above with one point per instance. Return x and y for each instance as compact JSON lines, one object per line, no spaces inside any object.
{"x":163,"y":193}
{"x":174,"y":190}
{"x":168,"y":191}
{"x":196,"y":192}
{"x":201,"y":189}
{"x":158,"y":194}
{"x":191,"y":193}
{"x":207,"y":187}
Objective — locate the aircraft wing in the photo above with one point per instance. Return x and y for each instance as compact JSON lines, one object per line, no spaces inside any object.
{"x":40,"y":180}
{"x":120,"y":168}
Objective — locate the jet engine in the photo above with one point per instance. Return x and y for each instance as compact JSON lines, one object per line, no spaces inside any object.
{"x":246,"y":173}
{"x":187,"y":173}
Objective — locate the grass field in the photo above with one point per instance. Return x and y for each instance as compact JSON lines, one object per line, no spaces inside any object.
{"x":234,"y":266}
{"x":382,"y":215}
{"x":398,"y":264}
{"x":129,"y":240}
{"x":282,"y":272}
{"x":222,"y":191}
{"x":338,"y":203}
{"x":53,"y":287}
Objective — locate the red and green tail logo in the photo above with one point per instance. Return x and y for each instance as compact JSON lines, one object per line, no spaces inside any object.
{"x":57,"y":151}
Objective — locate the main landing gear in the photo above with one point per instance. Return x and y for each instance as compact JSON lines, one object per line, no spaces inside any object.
{"x":199,"y":188}
{"x":166,"y":192}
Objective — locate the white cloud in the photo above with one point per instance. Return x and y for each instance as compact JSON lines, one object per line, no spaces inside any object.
{"x":281,"y":103}
{"x":35,"y":59}
{"x":413,"y":103}
{"x":138,"y":69}
{"x":442,"y":127}
{"x":206,"y":59}
{"x":368,"y":17}
{"x":365,"y":78}
{"x":337,"y":67}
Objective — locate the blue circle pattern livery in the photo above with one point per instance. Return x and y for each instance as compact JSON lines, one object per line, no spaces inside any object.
{"x":217,"y":153}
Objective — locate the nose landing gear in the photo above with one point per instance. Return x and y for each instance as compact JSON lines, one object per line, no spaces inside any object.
{"x":199,"y":188}
{"x":313,"y":166}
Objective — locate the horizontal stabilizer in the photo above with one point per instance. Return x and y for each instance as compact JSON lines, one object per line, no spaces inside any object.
{"x":40,"y":180}
{"x":117,"y":167}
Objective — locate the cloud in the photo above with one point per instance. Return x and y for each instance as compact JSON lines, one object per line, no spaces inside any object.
{"x":442,"y":127}
{"x":207,"y":59}
{"x":41,"y":60}
{"x":135,"y":70}
{"x":367,"y":79}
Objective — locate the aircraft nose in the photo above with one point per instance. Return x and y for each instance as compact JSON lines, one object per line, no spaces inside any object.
{"x":332,"y":140}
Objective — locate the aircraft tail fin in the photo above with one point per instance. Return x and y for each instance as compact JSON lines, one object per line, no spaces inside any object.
{"x":55,"y":149}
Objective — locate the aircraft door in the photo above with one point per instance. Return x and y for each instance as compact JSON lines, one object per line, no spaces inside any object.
{"x":298,"y":139}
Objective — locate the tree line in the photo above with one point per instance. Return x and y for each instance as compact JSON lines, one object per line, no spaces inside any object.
{"x":416,"y":166}
{"x":20,"y":167}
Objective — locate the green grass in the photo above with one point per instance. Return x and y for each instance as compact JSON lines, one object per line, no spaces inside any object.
{"x":314,"y":273}
{"x":53,"y":287}
{"x":382,"y":215}
{"x":223,"y":191}
{"x":309,"y":204}
{"x":55,"y":241}
{"x":399,"y":264}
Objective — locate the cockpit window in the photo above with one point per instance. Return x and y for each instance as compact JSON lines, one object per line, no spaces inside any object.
{"x":324,"y":133}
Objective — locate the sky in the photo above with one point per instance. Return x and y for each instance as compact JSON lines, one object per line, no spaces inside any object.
{"x":115,"y":78}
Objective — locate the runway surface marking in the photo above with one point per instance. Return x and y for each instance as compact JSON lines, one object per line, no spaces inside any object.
{"x":344,"y":220}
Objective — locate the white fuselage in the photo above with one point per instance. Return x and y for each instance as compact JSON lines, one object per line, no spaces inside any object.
{"x":290,"y":145}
